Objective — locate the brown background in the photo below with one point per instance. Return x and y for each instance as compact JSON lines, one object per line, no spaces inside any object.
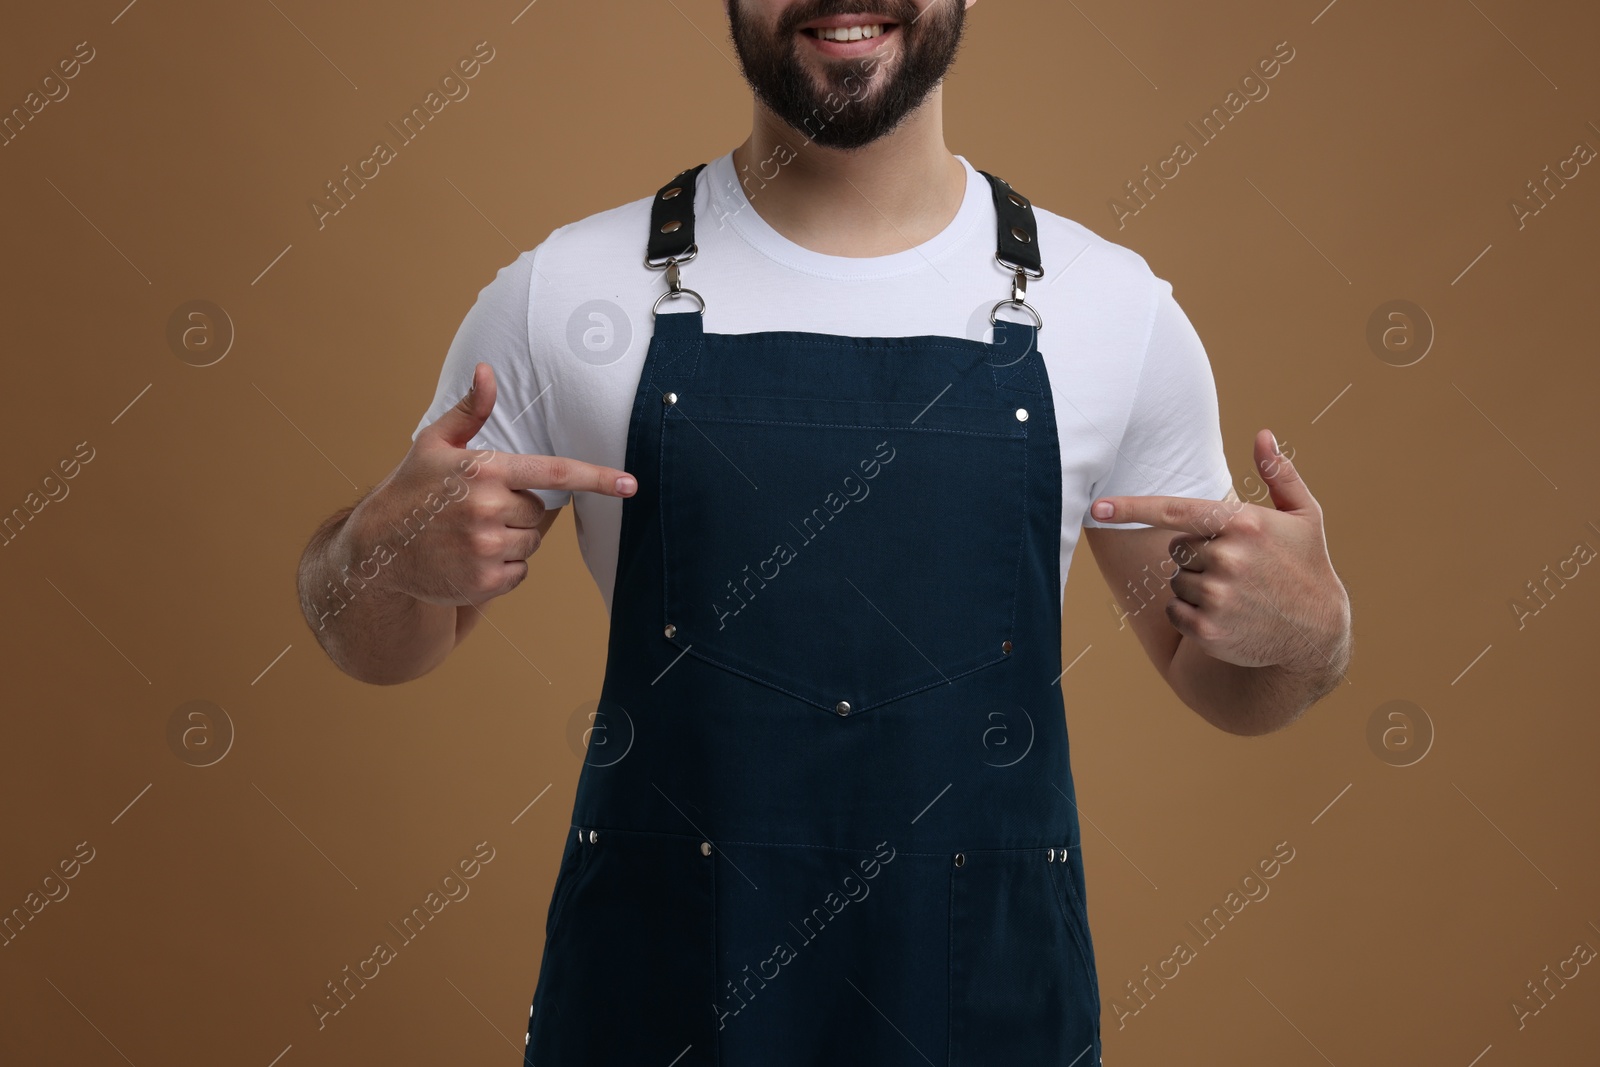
{"x":221,"y":899}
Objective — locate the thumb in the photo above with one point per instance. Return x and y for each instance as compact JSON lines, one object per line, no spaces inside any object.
{"x":462,"y":422}
{"x":1288,"y":489}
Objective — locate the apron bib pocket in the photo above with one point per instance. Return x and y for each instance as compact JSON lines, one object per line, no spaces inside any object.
{"x":843,"y":582}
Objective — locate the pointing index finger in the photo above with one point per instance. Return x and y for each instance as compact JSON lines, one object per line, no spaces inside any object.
{"x":1189,"y":514}
{"x":559,"y":472}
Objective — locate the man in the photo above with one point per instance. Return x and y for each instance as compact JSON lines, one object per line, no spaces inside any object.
{"x":830,"y":505}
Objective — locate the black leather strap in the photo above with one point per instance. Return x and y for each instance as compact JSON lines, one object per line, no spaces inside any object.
{"x":672,"y":222}
{"x":1018,"y":237}
{"x":672,"y":218}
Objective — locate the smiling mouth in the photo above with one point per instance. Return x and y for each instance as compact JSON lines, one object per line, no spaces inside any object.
{"x":848,"y":33}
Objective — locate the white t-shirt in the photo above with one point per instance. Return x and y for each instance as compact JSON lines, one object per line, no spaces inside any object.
{"x":566,"y":327}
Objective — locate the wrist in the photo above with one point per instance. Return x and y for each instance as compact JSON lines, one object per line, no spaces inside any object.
{"x":1325,"y":654}
{"x":363,"y":552}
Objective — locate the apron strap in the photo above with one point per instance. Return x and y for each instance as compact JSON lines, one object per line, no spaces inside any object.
{"x":1018,"y":236}
{"x":672,"y":223}
{"x":672,"y":220}
{"x":1016,"y":239}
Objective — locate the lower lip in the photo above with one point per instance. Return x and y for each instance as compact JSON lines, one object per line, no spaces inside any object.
{"x":850,"y":49}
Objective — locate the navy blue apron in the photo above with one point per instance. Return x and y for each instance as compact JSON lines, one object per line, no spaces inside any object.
{"x":827,"y":815}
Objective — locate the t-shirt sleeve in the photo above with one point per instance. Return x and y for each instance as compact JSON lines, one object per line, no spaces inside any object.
{"x":495,"y":331}
{"x":1172,"y":445}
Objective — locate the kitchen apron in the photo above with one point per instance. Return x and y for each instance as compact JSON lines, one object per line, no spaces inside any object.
{"x":826,"y":814}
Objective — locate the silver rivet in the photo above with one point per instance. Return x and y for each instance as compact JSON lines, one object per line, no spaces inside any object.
{"x":1020,"y":235}
{"x":1050,"y":856}
{"x":1017,"y":200}
{"x":1022,"y":414}
{"x":669,"y":398}
{"x":670,"y":193}
{"x":593,"y":836}
{"x":961,"y":859}
{"x":672,"y":227}
{"x":705,"y":848}
{"x":843,"y":707}
{"x":1005,"y":646}
{"x":671,"y":630}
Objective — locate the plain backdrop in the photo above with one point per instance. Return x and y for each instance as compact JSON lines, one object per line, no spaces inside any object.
{"x":1440,"y":806}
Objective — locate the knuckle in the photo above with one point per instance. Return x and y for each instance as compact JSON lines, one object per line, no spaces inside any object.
{"x":483,"y":542}
{"x":479,"y":508}
{"x":1209,"y":630}
{"x":557,"y":470}
{"x":1216,"y":594}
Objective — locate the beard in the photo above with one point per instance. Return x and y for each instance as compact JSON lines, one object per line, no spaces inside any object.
{"x":870,"y":97}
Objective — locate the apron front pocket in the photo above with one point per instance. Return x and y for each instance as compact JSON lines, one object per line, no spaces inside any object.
{"x":629,"y":965}
{"x":831,"y":956}
{"x":1022,"y":982}
{"x":826,"y":548}
{"x":573,"y":857}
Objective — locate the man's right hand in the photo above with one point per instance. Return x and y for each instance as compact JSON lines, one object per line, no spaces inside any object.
{"x":476,"y":546}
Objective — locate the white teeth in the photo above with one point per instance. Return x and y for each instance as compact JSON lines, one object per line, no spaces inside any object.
{"x":851,"y":33}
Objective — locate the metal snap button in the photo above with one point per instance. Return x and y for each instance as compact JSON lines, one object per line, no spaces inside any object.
{"x":671,"y":630}
{"x":593,"y":836}
{"x":1022,"y":414}
{"x":705,"y":848}
{"x":669,"y":398}
{"x":843,"y":707}
{"x":1005,"y":646}
{"x":961,"y":859}
{"x":1050,"y":856}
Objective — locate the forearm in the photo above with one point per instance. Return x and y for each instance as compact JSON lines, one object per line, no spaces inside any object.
{"x":1259,"y":700}
{"x":370,"y":632}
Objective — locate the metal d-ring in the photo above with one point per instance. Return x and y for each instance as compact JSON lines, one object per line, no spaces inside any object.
{"x":688,"y":292}
{"x":1038,"y":319}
